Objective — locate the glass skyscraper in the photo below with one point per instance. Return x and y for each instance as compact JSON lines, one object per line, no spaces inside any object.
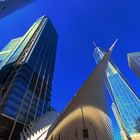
{"x":134,"y":62}
{"x":9,"y":6}
{"x":26,"y":72}
{"x":126,"y":105}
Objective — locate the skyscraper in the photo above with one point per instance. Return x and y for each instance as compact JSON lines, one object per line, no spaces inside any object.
{"x":86,"y":117}
{"x":9,"y":6}
{"x":134,"y":62}
{"x":126,"y":105}
{"x":26,"y":72}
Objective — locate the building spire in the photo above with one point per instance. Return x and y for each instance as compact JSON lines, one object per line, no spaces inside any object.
{"x":94,"y":44}
{"x":113,"y":45}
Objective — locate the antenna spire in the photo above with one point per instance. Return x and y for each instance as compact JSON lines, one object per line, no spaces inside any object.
{"x":113,"y":45}
{"x":94,"y":44}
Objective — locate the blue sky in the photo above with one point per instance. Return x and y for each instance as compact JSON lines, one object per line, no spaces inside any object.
{"x":78,"y":23}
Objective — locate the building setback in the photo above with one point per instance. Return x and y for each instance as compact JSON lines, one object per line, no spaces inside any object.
{"x":9,"y":6}
{"x":126,"y":105}
{"x":26,"y":73}
{"x":134,"y":62}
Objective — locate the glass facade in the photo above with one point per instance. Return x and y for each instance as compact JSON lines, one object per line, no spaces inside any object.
{"x":9,"y":6}
{"x":134,"y":62}
{"x":8,"y":51}
{"x":126,"y":105}
{"x":27,"y":64}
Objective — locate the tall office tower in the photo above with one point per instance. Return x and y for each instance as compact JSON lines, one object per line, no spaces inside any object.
{"x":134,"y":62}
{"x":26,"y":72}
{"x":126,"y":106}
{"x":9,"y":6}
{"x":86,"y":117}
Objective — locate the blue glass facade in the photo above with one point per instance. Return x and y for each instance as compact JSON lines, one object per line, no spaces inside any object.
{"x":9,"y":6}
{"x":126,"y":105}
{"x":134,"y":62}
{"x":28,"y":65}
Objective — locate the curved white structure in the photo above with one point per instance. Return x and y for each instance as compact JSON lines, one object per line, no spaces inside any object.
{"x":37,"y":130}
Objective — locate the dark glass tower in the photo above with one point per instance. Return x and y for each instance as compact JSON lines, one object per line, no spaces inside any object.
{"x":9,"y":6}
{"x":26,"y":72}
{"x":126,"y":105}
{"x":134,"y":62}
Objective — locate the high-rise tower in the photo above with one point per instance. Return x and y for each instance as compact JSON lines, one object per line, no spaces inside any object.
{"x":9,"y":6}
{"x":134,"y":62}
{"x":126,"y":105}
{"x":26,"y":72}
